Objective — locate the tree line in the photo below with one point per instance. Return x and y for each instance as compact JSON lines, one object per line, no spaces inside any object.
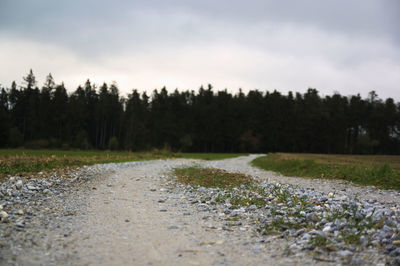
{"x":94,"y":117}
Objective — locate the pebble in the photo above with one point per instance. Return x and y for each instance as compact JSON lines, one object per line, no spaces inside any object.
{"x":312,"y":217}
{"x":258,"y":248}
{"x":20,"y":223}
{"x":344,"y":253}
{"x":19,"y":184}
{"x":300,"y":232}
{"x":202,"y":190}
{"x":3,"y":215}
{"x":173,"y":227}
{"x":327,"y":229}
{"x":342,"y":198}
{"x":30,"y":187}
{"x":357,"y":261}
{"x":395,"y":252}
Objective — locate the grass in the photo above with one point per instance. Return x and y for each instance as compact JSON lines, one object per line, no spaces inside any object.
{"x":351,"y":238}
{"x":153,"y":154}
{"x":244,"y":200}
{"x":279,"y":225}
{"x":211,"y":177}
{"x":21,"y":161}
{"x":318,"y":241}
{"x":380,"y":171}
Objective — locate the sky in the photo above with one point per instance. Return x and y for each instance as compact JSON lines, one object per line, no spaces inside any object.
{"x":345,"y":46}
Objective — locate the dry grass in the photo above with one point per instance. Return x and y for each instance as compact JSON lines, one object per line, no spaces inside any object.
{"x":28,"y":164}
{"x":20,"y":161}
{"x":211,"y":177}
{"x":377,"y":170}
{"x":367,"y":161}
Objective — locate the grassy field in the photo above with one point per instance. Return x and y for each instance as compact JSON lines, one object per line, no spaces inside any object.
{"x":379,"y":170}
{"x":210,"y":177}
{"x":19,"y":161}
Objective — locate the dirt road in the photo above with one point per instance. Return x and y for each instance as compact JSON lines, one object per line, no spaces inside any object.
{"x":133,"y":214}
{"x":133,"y":218}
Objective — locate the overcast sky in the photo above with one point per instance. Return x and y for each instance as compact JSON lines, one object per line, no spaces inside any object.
{"x":349,"y":46}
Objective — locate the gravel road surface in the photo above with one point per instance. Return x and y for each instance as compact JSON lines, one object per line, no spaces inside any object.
{"x":135,"y":214}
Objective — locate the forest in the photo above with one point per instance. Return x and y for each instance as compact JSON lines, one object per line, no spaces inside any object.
{"x":98,"y":117}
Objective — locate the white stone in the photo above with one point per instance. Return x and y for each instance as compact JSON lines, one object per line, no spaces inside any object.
{"x":396,"y":242}
{"x":326,"y":229}
{"x":345,"y":253}
{"x":3,"y":215}
{"x":341,"y":198}
{"x":19,"y":184}
{"x":219,"y":242}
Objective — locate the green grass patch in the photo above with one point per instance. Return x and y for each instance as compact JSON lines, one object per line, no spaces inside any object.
{"x":20,"y":161}
{"x":351,"y":238}
{"x":152,"y":154}
{"x":211,"y":177}
{"x":318,"y":241}
{"x":358,"y":172}
{"x":239,"y":201}
{"x":279,"y":225}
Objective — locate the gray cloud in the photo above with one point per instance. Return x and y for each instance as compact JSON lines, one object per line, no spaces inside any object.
{"x":92,"y":25}
{"x":257,"y":44}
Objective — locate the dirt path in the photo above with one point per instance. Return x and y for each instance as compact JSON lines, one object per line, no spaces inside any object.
{"x":134,"y":216}
{"x":134,"y":219}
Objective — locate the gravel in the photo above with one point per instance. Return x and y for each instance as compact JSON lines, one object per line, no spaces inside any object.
{"x":37,"y":212}
{"x":355,"y":224}
{"x":75,"y":217}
